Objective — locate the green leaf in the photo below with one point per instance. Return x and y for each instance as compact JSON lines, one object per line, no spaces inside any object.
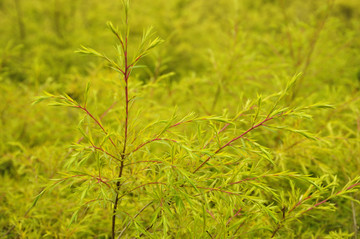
{"x":74,"y":217}
{"x":140,"y":228}
{"x":320,"y":106}
{"x":115,"y":31}
{"x":86,"y":94}
{"x":258,"y":108}
{"x":87,"y":50}
{"x":267,"y":155}
{"x":271,"y":214}
{"x":37,"y":198}
{"x":291,"y":82}
{"x":303,"y":133}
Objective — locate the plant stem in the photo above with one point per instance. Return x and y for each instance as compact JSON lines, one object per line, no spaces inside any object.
{"x":123,"y":155}
{"x":116,"y":201}
{"x":281,"y":224}
{"x":97,"y":122}
{"x":234,"y":139}
{"x":122,"y":232}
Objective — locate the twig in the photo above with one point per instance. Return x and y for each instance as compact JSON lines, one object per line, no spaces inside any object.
{"x":280,"y":224}
{"x":97,"y":122}
{"x":231,"y":141}
{"x":122,"y":232}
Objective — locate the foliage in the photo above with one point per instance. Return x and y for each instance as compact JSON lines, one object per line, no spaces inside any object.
{"x":238,"y":125}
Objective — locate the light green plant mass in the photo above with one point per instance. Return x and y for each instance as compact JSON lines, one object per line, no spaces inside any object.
{"x":255,"y":135}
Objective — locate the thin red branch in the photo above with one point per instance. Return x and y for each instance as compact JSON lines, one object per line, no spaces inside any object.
{"x":298,"y":204}
{"x":99,"y":179}
{"x":120,"y":70}
{"x":136,"y":60}
{"x":97,"y":122}
{"x":236,"y":214}
{"x":182,"y":122}
{"x":354,"y":185}
{"x":101,"y":117}
{"x":234,"y":139}
{"x":93,"y":200}
{"x":82,"y":175}
{"x":108,"y":109}
{"x":312,"y":207}
{"x":152,"y":140}
{"x":103,"y":150}
{"x":325,"y":200}
{"x":137,"y":214}
{"x":212,"y":215}
{"x":225,"y":127}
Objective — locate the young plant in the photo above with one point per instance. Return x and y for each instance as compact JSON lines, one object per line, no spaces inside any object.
{"x":189,"y":175}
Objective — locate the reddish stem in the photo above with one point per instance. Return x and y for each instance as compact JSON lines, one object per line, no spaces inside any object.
{"x":152,"y":140}
{"x":234,"y":139}
{"x":101,"y":149}
{"x":97,"y":122}
{"x":314,"y":206}
{"x":325,"y":200}
{"x":236,"y":214}
{"x":223,"y":128}
{"x":212,"y":215}
{"x":123,"y":156}
{"x":108,"y":109}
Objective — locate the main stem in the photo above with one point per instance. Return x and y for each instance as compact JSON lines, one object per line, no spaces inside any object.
{"x":123,"y":155}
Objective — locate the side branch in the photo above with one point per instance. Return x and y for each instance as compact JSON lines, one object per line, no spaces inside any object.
{"x":97,"y":122}
{"x":103,"y":150}
{"x":280,"y":225}
{"x":150,"y":141}
{"x":234,"y":139}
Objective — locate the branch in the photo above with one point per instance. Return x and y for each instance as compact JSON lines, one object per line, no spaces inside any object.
{"x":101,"y":149}
{"x":152,"y":140}
{"x":97,"y":122}
{"x":309,"y":209}
{"x":141,"y":210}
{"x":234,"y":139}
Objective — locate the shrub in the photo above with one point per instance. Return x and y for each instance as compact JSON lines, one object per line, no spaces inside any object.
{"x":212,"y":80}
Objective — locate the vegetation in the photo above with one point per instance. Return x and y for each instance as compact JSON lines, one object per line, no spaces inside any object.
{"x":226,"y":119}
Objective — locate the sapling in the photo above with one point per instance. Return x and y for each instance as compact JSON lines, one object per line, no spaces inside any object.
{"x":189,"y":175}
